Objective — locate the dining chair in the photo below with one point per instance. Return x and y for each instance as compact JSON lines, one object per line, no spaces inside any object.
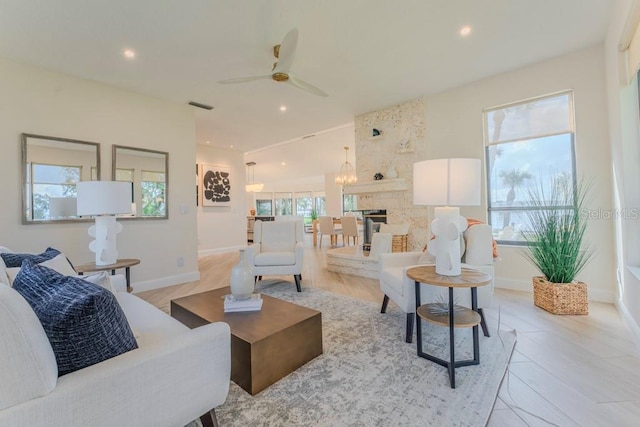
{"x":349,"y":229}
{"x":327,"y":228}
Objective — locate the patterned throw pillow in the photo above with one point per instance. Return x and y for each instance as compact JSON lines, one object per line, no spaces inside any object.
{"x":13,"y":259}
{"x":84,"y":322}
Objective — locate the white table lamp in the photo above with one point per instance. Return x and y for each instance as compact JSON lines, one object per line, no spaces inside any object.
{"x":104,"y":200}
{"x":442,"y":183}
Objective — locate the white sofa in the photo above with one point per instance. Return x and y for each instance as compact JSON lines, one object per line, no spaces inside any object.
{"x":394,"y":283}
{"x":175,"y":375}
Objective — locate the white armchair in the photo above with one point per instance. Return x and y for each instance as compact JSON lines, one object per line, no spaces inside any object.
{"x":396,"y":286}
{"x":277,"y":249}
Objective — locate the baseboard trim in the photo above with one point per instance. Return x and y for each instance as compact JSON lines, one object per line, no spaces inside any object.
{"x":630,"y":321}
{"x":527,"y":286}
{"x":216,"y":251}
{"x":163,"y":282}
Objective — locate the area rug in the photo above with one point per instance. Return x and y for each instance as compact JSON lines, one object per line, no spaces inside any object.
{"x":368,"y":375}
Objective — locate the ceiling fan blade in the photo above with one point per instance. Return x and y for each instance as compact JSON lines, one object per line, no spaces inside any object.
{"x":243,"y":79}
{"x":287,"y":52}
{"x":301,"y":84}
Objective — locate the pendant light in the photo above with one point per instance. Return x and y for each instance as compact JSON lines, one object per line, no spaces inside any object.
{"x":347,"y":174}
{"x":252,"y":187}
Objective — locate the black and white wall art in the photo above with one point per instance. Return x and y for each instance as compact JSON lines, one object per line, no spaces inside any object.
{"x":216,"y":185}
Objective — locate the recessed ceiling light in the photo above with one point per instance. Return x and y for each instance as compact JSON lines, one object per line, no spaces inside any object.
{"x":283,"y":164}
{"x":129,"y":54}
{"x":231,"y":146}
{"x":283,"y":108}
{"x":208,"y":142}
{"x":465,"y":31}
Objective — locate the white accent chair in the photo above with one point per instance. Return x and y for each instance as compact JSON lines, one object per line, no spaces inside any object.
{"x":397,"y":287}
{"x":326,"y":227}
{"x":349,"y":229}
{"x":277,"y":249}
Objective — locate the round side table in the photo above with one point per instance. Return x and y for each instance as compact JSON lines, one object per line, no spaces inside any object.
{"x":126,"y":263}
{"x":456,"y":316}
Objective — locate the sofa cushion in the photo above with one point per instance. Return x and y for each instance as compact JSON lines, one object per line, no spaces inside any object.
{"x":13,"y":259}
{"x":83,"y":321}
{"x":58,"y":263}
{"x":28,"y":364}
{"x":101,"y":279}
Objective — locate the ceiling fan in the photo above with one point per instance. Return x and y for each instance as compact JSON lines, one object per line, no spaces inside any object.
{"x":284,"y":52}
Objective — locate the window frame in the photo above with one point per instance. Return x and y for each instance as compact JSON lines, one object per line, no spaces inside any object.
{"x":530,"y":138}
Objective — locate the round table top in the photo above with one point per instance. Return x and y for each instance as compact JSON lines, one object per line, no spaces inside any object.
{"x":468,"y":279}
{"x":92,"y":267}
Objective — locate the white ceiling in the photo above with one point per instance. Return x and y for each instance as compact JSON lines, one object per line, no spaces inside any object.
{"x":365,"y":54}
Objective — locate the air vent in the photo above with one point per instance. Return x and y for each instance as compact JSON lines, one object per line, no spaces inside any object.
{"x":199,"y":105}
{"x":308,"y":136}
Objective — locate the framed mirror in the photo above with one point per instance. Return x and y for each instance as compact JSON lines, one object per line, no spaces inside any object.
{"x":148,"y":172}
{"x":51,"y":168}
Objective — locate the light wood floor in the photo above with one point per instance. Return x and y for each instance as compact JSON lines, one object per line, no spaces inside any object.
{"x":566,"y":370}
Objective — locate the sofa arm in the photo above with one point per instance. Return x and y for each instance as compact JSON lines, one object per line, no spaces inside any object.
{"x":119,"y":282}
{"x":163,"y":383}
{"x":399,"y":259}
{"x":299,"y":253}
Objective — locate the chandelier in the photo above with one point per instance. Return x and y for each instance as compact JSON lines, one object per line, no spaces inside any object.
{"x":347,"y":174}
{"x":252,"y":187}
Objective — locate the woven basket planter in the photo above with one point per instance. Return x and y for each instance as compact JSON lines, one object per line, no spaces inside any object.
{"x":560,"y":298}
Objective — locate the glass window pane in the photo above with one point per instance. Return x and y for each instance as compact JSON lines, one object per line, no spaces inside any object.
{"x":153,"y":199}
{"x":304,"y":206}
{"x":541,"y":117}
{"x":349,"y":202}
{"x":517,"y":167}
{"x":321,"y":207}
{"x":263,"y":207}
{"x":56,"y":174}
{"x":284,"y":204}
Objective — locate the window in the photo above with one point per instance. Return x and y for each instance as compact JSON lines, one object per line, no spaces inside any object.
{"x":321,"y":206}
{"x":349,"y":202}
{"x":154,"y":195}
{"x":284,"y":203}
{"x":50,"y":181}
{"x":264,"y":204}
{"x":304,"y":204}
{"x":528,"y":145}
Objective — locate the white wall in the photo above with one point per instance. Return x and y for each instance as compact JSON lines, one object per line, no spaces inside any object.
{"x":223,"y":229}
{"x":625,"y":153}
{"x":47,"y":103}
{"x":454,"y":128}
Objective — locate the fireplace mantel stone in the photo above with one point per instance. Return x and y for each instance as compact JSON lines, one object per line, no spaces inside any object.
{"x":381,"y":186}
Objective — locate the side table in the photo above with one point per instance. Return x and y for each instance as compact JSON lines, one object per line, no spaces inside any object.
{"x":457,"y":316}
{"x":125,"y":263}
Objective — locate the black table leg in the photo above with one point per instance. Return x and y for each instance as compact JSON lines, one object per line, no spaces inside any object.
{"x":452,"y":358}
{"x":128,"y":277}
{"x":418,"y":321}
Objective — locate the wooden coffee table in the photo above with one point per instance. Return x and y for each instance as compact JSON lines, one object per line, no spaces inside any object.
{"x":266,"y":345}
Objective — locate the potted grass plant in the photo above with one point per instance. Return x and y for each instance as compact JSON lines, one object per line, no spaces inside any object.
{"x":556,"y":245}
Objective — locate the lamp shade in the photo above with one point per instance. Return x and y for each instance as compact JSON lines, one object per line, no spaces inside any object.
{"x":104,"y":198}
{"x":447,"y":182}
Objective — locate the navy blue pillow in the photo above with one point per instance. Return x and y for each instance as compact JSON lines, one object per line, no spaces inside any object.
{"x":15,"y":260}
{"x":84,"y":322}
